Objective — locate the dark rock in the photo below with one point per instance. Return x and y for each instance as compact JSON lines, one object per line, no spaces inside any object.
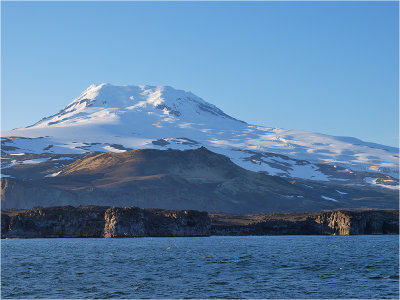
{"x":52,"y":222}
{"x":101,"y":221}
{"x":160,"y":142}
{"x":135,"y":222}
{"x":338,"y":222}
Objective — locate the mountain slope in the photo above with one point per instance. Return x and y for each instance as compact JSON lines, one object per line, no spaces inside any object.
{"x":119,"y":118}
{"x":193,"y":179}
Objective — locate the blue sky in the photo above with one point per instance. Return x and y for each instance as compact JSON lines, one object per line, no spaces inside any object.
{"x":327,"y":67}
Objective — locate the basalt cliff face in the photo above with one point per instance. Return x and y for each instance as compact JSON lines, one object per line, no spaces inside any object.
{"x":53,"y":222}
{"x":101,"y":221}
{"x":337,"y":222}
{"x":108,"y":222}
{"x":356,"y":222}
{"x":136,"y":222}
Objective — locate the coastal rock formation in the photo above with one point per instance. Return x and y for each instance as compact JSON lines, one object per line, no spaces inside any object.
{"x":359,"y":222}
{"x":338,"y":222}
{"x":101,"y":221}
{"x":136,"y":222}
{"x":53,"y":222}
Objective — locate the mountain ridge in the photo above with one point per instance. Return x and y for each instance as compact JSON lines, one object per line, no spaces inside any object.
{"x":119,"y":118}
{"x":173,"y":179}
{"x":105,"y":96}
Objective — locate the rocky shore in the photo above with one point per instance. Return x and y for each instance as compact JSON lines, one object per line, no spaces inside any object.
{"x":101,"y":221}
{"x":109,"y":222}
{"x":336,"y":222}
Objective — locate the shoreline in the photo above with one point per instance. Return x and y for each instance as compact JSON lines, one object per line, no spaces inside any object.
{"x":116,"y":222}
{"x":204,"y":236}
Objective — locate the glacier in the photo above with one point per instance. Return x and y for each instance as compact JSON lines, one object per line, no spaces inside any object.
{"x":109,"y":118}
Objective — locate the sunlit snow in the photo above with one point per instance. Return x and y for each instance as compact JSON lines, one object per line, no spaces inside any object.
{"x":328,"y":198}
{"x":373,"y":181}
{"x":137,"y":116}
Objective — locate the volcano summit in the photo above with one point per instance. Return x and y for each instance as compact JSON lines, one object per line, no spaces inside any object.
{"x":108,"y":118}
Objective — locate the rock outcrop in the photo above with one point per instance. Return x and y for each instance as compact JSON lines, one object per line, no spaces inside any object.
{"x":359,"y":222}
{"x":337,"y":222}
{"x":102,"y":221}
{"x":136,"y":222}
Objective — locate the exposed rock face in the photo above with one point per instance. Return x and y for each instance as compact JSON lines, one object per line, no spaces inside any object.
{"x":136,"y":222}
{"x":339,"y":222}
{"x":100,"y":221}
{"x":52,"y":222}
{"x":359,"y":222}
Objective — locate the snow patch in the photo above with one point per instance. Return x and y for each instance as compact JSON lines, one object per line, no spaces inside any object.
{"x":112,"y":149}
{"x":62,"y":158}
{"x":307,"y":172}
{"x":374,"y":182}
{"x":33,"y":161}
{"x":341,"y":193}
{"x":329,"y":198}
{"x":53,"y":174}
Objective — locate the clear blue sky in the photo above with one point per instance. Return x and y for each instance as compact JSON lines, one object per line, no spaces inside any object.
{"x":326,"y":67}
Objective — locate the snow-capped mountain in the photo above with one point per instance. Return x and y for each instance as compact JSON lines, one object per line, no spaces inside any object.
{"x":118,"y":118}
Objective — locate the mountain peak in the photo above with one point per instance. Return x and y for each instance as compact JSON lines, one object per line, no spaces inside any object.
{"x":98,"y":103}
{"x":106,"y":117}
{"x":161,"y":92}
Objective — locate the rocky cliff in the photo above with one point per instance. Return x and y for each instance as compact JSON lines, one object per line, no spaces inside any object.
{"x":101,"y":221}
{"x":136,"y":222}
{"x":53,"y":222}
{"x":359,"y":222}
{"x":337,"y":222}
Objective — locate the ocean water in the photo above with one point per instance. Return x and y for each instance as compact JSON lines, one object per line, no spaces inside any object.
{"x":202,"y":267}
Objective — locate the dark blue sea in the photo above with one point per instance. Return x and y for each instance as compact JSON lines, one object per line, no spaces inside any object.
{"x":203,"y":267}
